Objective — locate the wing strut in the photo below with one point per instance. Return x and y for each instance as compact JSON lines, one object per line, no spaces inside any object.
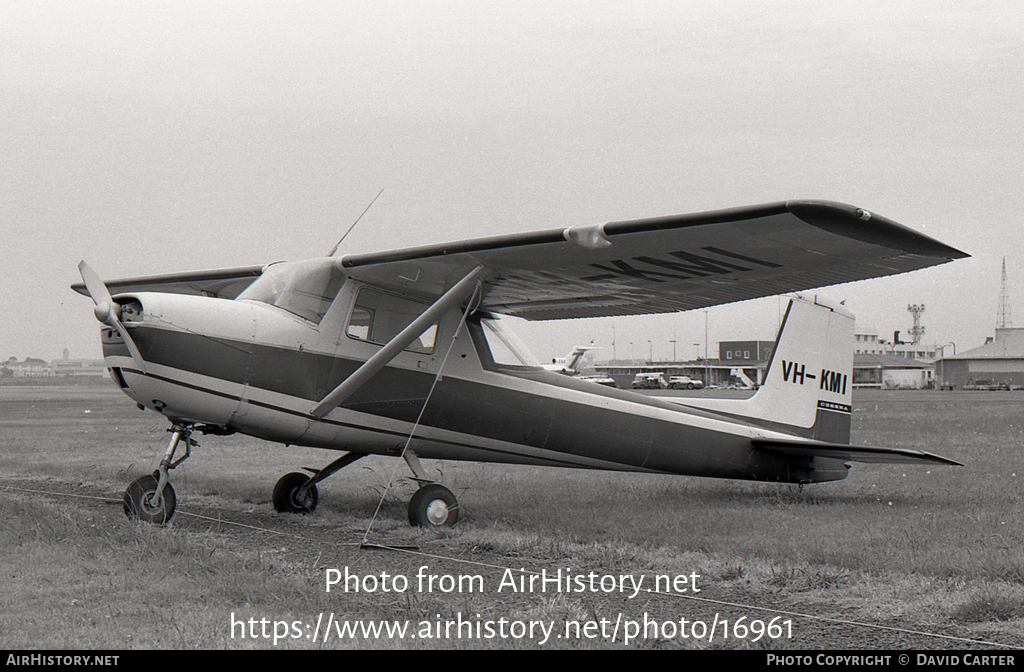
{"x":461,"y":291}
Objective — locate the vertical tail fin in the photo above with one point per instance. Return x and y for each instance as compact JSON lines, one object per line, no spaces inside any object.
{"x":809,"y":381}
{"x":575,"y":356}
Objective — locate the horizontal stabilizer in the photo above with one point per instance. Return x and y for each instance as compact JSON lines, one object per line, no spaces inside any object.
{"x":849,"y":453}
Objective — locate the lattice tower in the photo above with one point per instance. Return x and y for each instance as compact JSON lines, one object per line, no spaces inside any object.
{"x":1004,"y":320}
{"x":917,"y":331}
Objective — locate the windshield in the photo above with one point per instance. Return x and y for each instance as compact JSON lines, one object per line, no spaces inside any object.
{"x":304,"y":288}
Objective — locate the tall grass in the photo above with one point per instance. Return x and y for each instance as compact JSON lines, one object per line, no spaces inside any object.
{"x":936,"y":546}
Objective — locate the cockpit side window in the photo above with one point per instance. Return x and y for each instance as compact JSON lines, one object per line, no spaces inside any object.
{"x":303,"y":288}
{"x":378,"y":317}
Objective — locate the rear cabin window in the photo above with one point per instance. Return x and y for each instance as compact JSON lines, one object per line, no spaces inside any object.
{"x":499,"y":345}
{"x":378,"y":317}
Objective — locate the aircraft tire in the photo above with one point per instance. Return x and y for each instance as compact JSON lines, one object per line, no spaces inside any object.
{"x":137,"y":505}
{"x":433,"y":505}
{"x":286,"y":492}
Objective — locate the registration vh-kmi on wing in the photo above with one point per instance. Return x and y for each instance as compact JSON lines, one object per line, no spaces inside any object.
{"x":404,"y":352}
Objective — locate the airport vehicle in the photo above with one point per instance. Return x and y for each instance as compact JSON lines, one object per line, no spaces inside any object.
{"x":649,"y":381}
{"x":684,"y":383}
{"x":406,"y":353}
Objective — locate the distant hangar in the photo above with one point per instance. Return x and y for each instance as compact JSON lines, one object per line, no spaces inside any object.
{"x":891,"y":372}
{"x":998,"y":363}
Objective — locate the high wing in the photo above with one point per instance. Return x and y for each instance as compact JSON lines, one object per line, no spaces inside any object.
{"x":225,"y":283}
{"x":666,"y":264}
{"x":658,"y":265}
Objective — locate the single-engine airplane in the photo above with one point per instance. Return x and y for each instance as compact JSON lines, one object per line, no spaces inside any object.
{"x":404,"y":352}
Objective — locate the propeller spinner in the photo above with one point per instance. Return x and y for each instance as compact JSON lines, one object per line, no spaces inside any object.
{"x":108,"y":311}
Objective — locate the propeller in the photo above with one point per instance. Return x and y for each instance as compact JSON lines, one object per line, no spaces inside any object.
{"x":107,"y":311}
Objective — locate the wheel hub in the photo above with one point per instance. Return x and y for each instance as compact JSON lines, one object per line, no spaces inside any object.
{"x":151,"y":504}
{"x":301,"y":502}
{"x":437,"y":512}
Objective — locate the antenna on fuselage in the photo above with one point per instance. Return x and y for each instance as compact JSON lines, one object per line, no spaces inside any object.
{"x":338,"y":244}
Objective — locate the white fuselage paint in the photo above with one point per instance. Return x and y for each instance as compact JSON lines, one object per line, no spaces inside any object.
{"x":196,"y":397}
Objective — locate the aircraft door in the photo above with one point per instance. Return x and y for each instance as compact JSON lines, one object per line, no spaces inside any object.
{"x":362,"y":321}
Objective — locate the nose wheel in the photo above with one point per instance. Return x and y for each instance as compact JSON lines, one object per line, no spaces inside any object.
{"x":151,"y":498}
{"x":143,"y":500}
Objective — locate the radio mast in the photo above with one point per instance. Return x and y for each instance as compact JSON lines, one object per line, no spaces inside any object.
{"x":1004,"y":318}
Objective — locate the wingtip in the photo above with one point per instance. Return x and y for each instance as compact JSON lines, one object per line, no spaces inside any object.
{"x":869,"y":227}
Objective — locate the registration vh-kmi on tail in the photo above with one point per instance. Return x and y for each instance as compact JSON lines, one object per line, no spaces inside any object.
{"x":405,"y":353}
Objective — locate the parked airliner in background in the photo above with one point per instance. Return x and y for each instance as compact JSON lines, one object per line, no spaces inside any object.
{"x":569,"y":365}
{"x":405,"y":352}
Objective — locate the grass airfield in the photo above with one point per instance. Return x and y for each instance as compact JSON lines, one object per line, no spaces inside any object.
{"x":893,"y":557}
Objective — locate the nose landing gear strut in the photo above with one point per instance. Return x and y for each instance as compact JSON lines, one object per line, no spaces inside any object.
{"x":151,"y":498}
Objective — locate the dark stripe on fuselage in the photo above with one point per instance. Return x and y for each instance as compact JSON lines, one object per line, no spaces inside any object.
{"x":349,"y":425}
{"x":472,"y":408}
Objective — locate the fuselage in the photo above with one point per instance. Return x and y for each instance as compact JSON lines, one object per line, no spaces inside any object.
{"x":253,"y":367}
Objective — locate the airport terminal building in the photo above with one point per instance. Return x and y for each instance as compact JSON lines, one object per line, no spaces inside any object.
{"x":739,"y":363}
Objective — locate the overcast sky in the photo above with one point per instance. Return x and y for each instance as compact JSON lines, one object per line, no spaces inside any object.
{"x":152,"y":137}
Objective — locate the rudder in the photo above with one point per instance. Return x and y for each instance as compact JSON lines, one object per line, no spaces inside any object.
{"x":808,"y":384}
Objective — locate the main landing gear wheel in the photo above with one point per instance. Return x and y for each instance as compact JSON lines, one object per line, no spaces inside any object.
{"x":138,"y":501}
{"x":433,"y":505}
{"x":286,"y":494}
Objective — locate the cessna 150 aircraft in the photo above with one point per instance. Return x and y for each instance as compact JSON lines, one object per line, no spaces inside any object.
{"x":404,"y":352}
